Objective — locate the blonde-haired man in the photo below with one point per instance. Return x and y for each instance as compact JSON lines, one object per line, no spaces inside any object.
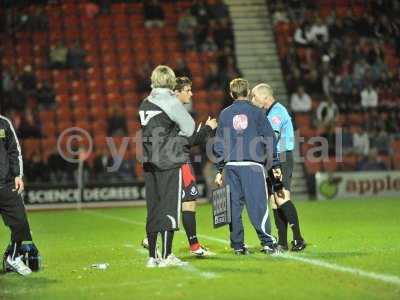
{"x":163,"y":77}
{"x":244,"y":142}
{"x":166,"y":127}
{"x":284,"y":210}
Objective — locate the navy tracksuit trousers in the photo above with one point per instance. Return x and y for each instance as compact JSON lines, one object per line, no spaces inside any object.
{"x":248,"y":187}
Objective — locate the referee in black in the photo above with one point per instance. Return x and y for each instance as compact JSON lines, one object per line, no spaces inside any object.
{"x":12,"y":207}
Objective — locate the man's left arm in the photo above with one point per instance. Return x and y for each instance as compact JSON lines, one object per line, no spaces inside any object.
{"x":14,"y":156}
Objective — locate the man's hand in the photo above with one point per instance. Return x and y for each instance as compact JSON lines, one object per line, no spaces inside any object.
{"x":218,"y":179}
{"x":212,"y":123}
{"x":19,"y":185}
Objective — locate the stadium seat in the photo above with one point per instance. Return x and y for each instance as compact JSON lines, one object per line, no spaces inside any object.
{"x":329,"y":165}
{"x":396,"y":161}
{"x":349,"y":162}
{"x":313,"y":167}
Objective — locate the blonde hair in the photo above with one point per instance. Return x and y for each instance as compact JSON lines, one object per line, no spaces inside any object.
{"x":239,"y":87}
{"x":263,"y":90}
{"x":163,"y":77}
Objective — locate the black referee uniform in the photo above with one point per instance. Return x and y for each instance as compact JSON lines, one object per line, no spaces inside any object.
{"x":12,"y":208}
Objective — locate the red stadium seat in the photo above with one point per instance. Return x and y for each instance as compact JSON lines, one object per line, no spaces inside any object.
{"x":313,"y":167}
{"x":329,"y":165}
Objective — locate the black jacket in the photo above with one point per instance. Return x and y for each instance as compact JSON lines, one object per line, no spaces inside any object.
{"x":11,"y":164}
{"x":166,"y":129}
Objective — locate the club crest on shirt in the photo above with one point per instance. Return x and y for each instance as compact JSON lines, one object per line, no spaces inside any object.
{"x":276,"y":120}
{"x":193,"y":191}
{"x":2,"y":133}
{"x":240,"y":122}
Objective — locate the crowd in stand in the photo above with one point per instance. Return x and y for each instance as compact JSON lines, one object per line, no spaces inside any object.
{"x":336,"y":65}
{"x":201,"y":28}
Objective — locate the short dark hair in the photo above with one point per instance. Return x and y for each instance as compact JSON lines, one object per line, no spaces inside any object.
{"x":181,"y":82}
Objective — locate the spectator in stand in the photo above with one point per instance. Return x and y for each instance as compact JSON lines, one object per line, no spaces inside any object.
{"x":58,"y":56}
{"x":209,"y":45}
{"x":222,"y":34}
{"x":336,"y":32}
{"x":142,"y":79}
{"x":347,"y":140}
{"x":16,"y":99}
{"x":369,"y":97}
{"x":181,"y":69}
{"x":302,"y":36}
{"x":186,"y":28}
{"x":153,"y":14}
{"x":371,"y":162}
{"x":300,"y":101}
{"x":385,"y":28}
{"x":201,"y":12}
{"x":56,"y":165}
{"x":76,"y":58}
{"x":8,"y":82}
{"x":45,"y":96}
{"x":313,"y":80}
{"x":360,"y":69}
{"x":327,"y":113}
{"x":327,"y":75}
{"x":28,"y":80}
{"x":36,"y":170}
{"x":219,"y":10}
{"x":361,"y":141}
{"x":116,"y":122}
{"x":319,"y":34}
{"x":29,"y":127}
{"x":279,"y":15}
{"x":39,"y":20}
{"x":102,"y":161}
{"x":213,"y":80}
{"x":382,"y":142}
{"x":126,"y":171}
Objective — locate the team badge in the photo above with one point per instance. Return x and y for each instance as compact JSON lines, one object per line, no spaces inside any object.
{"x":193,"y":191}
{"x":2,"y":133}
{"x":240,"y":122}
{"x":276,"y":120}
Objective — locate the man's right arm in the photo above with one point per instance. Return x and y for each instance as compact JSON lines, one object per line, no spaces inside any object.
{"x":218,"y":148}
{"x":266,"y":131}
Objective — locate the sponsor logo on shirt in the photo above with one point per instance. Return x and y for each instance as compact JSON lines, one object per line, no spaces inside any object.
{"x":2,"y":133}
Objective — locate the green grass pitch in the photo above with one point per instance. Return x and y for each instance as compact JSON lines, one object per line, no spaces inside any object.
{"x":353,"y":253}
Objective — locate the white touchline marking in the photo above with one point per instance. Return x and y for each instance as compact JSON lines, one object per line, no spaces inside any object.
{"x":382,"y":277}
{"x":372,"y":275}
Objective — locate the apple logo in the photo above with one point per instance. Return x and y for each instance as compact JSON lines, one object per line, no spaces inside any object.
{"x":329,"y":188}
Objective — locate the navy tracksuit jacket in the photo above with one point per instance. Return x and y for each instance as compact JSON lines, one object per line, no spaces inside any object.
{"x":245,"y":143}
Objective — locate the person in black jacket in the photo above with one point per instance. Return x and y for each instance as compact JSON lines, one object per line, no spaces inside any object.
{"x":183,"y":91}
{"x":166,"y":127}
{"x":12,"y":207}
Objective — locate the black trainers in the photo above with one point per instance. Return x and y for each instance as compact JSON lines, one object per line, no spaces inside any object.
{"x":298,"y":245}
{"x":242,"y":251}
